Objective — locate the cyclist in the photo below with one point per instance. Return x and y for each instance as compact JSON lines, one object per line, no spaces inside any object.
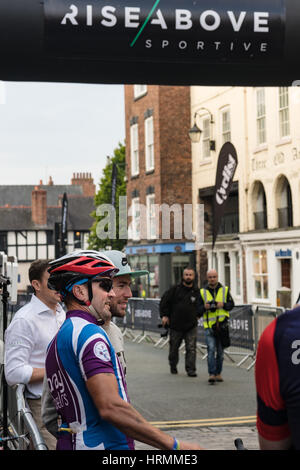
{"x":84,"y":374}
{"x":277,"y":375}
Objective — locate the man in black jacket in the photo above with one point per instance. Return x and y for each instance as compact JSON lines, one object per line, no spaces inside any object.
{"x":179,"y":312}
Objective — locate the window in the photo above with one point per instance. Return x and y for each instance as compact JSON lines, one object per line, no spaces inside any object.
{"x":237,"y":273}
{"x":215,"y":262}
{"x":206,"y":138}
{"x":227,"y":269}
{"x":226,"y":126}
{"x":149,"y":143}
{"x":30,"y":245}
{"x":284,"y":114}
{"x":285,"y":273}
{"x":284,"y":203}
{"x":78,"y":240}
{"x":260,"y":274}
{"x":259,"y":207}
{"x":139,"y":91}
{"x":3,"y":241}
{"x":261,"y":116}
{"x":136,"y":219}
{"x":134,"y":145}
{"x":151,"y":217}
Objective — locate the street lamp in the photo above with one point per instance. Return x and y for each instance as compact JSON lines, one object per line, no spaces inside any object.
{"x":195,"y":132}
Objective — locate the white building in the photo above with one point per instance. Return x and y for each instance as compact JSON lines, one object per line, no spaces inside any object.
{"x":257,"y":250}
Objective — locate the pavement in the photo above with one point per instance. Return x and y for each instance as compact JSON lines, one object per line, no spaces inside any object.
{"x":189,"y":408}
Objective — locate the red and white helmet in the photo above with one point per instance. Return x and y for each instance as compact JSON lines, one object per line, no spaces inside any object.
{"x":78,"y":267}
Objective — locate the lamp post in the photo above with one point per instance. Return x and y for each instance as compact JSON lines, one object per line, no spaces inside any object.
{"x":195,"y":132}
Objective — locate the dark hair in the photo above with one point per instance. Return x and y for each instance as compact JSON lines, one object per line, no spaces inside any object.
{"x":37,"y":269}
{"x":189,"y":268}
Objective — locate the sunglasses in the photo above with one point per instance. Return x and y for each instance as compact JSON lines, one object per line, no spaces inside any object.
{"x":105,"y":284}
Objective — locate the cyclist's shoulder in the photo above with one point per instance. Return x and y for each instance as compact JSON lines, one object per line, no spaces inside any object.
{"x":287,"y":325}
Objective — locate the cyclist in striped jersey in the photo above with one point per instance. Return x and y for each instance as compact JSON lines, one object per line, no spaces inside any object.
{"x":84,"y":375}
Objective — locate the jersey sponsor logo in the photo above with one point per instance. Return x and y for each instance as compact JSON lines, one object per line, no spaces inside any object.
{"x":101,"y":351}
{"x":56,"y":385}
{"x":296,"y":354}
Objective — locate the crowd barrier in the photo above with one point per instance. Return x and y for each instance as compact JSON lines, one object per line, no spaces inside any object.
{"x":22,"y":433}
{"x":142,"y":321}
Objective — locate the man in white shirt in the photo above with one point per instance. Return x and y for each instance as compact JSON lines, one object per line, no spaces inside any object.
{"x":27,"y":338}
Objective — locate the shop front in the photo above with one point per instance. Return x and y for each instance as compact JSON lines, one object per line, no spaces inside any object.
{"x":165,"y":263}
{"x":273,"y":268}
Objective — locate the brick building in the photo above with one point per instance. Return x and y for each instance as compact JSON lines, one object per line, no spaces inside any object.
{"x":28,"y":215}
{"x":158,"y":171}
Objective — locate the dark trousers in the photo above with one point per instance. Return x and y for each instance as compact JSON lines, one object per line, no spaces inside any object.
{"x":190,"y":338}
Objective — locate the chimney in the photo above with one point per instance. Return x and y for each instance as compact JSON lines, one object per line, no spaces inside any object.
{"x":50,"y":182}
{"x":39,"y":206}
{"x":86,"y":181}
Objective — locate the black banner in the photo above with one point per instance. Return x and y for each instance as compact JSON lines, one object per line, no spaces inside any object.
{"x":114,"y":184}
{"x":161,"y":42}
{"x":186,"y":30}
{"x":64,"y":229}
{"x":227,"y":164}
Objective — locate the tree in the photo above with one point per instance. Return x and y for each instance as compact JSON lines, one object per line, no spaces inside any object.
{"x":104,"y":197}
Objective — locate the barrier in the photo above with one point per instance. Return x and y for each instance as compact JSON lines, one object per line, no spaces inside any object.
{"x":143,"y":317}
{"x":262,"y":318}
{"x":23,"y":433}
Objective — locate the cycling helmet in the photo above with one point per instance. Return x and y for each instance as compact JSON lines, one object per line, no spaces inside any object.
{"x":79,"y":267}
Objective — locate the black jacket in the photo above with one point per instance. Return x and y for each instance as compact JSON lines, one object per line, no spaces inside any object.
{"x":227,"y":306}
{"x":180,"y":304}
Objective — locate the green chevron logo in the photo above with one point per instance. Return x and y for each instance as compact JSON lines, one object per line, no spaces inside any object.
{"x":145,"y":23}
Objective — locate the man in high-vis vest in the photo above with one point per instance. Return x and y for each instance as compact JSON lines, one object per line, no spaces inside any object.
{"x":215,"y":304}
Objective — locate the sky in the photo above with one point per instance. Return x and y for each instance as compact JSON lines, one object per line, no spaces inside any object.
{"x":53,"y":129}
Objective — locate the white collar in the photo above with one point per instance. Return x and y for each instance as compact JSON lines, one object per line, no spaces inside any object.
{"x":40,"y":307}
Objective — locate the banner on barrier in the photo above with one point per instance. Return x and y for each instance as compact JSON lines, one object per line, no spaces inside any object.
{"x":240,"y":328}
{"x":143,"y":314}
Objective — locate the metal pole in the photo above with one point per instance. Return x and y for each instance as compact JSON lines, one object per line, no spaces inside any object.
{"x":3,"y":283}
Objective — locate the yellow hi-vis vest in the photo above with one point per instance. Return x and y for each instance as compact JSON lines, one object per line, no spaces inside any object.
{"x":209,"y":318}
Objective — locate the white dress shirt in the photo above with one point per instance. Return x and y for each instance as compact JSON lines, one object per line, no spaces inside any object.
{"x":26,"y":341}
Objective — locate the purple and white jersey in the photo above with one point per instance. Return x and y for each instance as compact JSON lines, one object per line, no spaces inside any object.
{"x":80,"y":350}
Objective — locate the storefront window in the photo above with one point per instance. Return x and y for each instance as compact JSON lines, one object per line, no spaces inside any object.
{"x":154,"y":276}
{"x":145,"y":285}
{"x":179,"y":262}
{"x":260,"y":274}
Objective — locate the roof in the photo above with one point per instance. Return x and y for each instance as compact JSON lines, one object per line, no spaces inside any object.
{"x":17,"y":195}
{"x":79,"y":218}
